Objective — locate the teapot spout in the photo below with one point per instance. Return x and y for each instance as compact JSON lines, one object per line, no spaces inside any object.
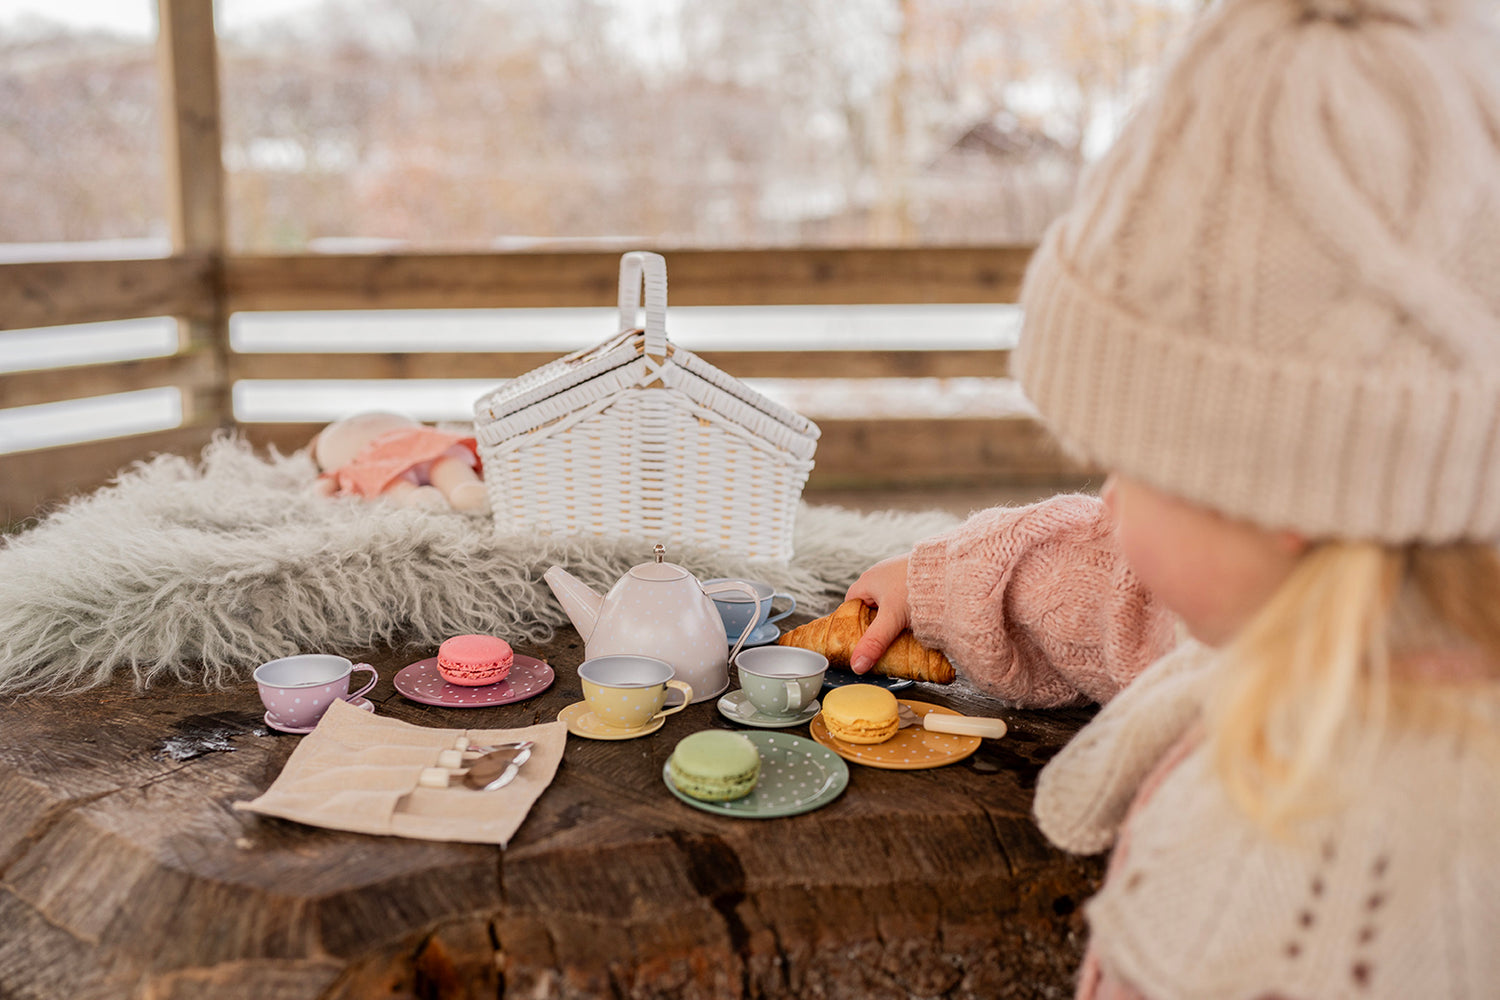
{"x":580,"y":601}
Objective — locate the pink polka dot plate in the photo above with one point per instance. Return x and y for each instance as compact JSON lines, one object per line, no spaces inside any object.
{"x":911,"y":749}
{"x":421,"y":681}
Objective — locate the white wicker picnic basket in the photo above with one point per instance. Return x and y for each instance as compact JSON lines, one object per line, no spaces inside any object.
{"x":637,"y":436}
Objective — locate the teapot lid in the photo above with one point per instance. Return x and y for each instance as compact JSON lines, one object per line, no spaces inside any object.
{"x":658,"y":570}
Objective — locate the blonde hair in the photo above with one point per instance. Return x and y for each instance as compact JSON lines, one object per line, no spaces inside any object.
{"x":1309,"y":676}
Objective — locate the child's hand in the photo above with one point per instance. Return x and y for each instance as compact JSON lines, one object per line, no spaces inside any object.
{"x":883,"y":587}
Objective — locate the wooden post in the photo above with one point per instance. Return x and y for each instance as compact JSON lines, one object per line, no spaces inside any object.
{"x":188,"y":58}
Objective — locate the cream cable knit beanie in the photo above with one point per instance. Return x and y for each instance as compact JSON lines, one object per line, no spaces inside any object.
{"x":1278,"y":294}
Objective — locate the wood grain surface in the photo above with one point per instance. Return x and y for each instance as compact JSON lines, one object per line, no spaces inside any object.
{"x":125,"y":872}
{"x":540,"y":278}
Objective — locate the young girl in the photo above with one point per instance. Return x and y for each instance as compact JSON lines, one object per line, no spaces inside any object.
{"x":1274,"y":312}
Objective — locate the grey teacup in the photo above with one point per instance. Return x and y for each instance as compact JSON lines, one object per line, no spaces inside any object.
{"x":781,"y":680}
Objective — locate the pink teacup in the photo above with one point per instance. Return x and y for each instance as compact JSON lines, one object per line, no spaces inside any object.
{"x":297,"y":690}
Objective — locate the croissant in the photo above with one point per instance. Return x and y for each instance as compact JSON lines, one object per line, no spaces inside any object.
{"x":835,"y":635}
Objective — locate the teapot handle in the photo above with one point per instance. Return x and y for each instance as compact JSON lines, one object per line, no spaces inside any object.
{"x":745,"y":588}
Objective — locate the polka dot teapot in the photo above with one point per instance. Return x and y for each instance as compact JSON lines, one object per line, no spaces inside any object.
{"x":656,"y":609}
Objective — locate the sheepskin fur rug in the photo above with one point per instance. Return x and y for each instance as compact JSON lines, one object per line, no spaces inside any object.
{"x":197,"y":571}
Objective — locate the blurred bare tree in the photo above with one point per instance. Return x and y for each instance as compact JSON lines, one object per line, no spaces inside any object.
{"x":80,"y":146}
{"x":479,"y":123}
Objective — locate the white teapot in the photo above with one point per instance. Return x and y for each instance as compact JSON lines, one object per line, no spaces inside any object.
{"x":656,"y":609}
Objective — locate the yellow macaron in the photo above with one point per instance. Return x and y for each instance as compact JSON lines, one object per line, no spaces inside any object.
{"x":860,"y":713}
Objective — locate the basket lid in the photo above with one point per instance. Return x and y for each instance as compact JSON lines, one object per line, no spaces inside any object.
{"x":677,"y":388}
{"x":639,"y":357}
{"x":725,"y":382}
{"x":633,"y":340}
{"x":558,"y":376}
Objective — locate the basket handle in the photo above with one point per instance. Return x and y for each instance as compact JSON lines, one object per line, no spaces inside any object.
{"x":654,"y":266}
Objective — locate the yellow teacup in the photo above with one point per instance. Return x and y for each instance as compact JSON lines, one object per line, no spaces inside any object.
{"x":625,"y":691}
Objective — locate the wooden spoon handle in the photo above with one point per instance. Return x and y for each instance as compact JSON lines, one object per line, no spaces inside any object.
{"x":964,"y":725}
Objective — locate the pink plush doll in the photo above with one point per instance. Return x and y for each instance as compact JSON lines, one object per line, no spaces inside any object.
{"x":391,"y":456}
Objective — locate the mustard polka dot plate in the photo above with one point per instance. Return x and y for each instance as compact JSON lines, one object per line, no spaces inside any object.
{"x":796,"y":776}
{"x":911,"y":749}
{"x":582,"y":721}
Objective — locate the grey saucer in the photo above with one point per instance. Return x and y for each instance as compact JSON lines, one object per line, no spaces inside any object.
{"x":737,"y":707}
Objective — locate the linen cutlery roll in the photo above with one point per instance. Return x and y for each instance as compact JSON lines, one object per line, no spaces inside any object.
{"x":359,"y":772}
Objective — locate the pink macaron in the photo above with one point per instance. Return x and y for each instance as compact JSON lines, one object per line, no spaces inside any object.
{"x":474,"y":660}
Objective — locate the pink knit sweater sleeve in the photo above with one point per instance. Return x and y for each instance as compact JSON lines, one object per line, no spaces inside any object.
{"x":1036,"y":604}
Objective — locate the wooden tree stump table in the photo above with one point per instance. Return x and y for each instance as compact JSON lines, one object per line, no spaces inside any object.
{"x":125,"y":872}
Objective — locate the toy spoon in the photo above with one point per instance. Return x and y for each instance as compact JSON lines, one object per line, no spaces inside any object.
{"x":498,"y":769}
{"x":962,"y":725}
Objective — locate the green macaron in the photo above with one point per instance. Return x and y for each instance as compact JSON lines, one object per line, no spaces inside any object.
{"x":715,"y":765}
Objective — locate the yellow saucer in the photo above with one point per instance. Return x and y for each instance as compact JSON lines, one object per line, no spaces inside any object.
{"x":911,"y":749}
{"x":581,"y":721}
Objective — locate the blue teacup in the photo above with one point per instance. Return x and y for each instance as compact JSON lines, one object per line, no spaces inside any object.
{"x":737,"y":610}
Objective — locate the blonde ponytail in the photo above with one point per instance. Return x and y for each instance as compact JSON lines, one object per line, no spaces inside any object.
{"x":1308,"y":680}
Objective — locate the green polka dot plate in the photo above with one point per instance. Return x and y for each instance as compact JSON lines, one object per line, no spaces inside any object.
{"x":796,"y":776}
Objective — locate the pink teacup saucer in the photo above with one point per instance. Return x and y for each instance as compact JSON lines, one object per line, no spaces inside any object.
{"x":363,"y":703}
{"x":421,"y":681}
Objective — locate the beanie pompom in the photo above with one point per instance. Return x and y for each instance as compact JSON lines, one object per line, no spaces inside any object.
{"x":1417,"y":13}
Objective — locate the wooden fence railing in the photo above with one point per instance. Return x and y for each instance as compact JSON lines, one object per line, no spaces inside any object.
{"x":202,"y":285}
{"x":852,"y":452}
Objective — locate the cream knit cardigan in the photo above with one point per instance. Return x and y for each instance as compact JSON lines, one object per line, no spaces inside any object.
{"x":1394,"y":892}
